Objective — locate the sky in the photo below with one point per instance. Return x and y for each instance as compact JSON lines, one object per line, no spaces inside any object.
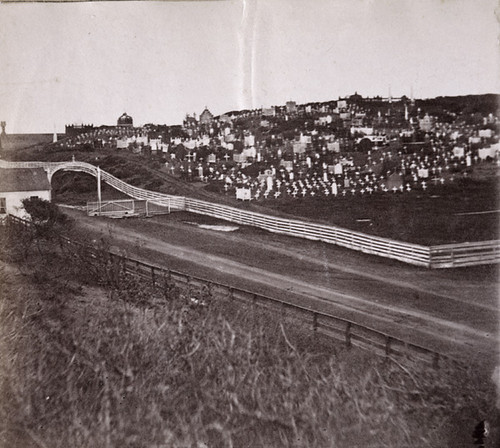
{"x":89,"y":62}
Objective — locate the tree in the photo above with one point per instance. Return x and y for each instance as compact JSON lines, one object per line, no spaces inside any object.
{"x":365,"y":145}
{"x":46,"y":217}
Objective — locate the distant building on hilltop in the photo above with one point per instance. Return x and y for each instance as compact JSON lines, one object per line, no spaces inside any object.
{"x":291,"y":107}
{"x":190,"y":122}
{"x":72,"y":130}
{"x":206,"y":116}
{"x":125,"y":121}
{"x":356,"y":98}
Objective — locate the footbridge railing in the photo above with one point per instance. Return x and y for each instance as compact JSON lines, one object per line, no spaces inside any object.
{"x":176,"y":202}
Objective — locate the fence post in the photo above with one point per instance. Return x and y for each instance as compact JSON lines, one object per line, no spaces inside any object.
{"x":208,"y":286}
{"x":387,"y":345}
{"x":123,"y":264}
{"x":166,"y":281}
{"x":153,"y":279}
{"x":435,"y":360}
{"x":348,"y":334}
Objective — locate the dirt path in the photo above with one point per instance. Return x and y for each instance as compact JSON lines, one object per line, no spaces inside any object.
{"x":451,"y":313}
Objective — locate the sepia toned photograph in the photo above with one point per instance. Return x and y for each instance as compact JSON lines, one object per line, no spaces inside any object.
{"x":249,"y":224}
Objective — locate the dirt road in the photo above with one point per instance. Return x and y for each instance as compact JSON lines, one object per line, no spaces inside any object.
{"x":453,"y":312}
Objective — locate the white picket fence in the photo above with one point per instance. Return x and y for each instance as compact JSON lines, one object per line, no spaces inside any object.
{"x":406,"y":252}
{"x":128,"y":207}
{"x":442,"y":256}
{"x":465,"y":254}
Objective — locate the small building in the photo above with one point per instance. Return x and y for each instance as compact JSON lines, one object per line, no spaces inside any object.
{"x":72,"y":130}
{"x":125,"y":121}
{"x":17,"y":184}
{"x":190,"y":122}
{"x":206,"y":117}
{"x":291,"y":107}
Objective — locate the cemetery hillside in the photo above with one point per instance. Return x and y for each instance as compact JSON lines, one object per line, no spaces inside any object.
{"x":421,"y":171}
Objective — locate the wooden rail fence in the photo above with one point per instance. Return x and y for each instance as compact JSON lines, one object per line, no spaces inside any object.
{"x":348,"y":332}
{"x":345,"y":331}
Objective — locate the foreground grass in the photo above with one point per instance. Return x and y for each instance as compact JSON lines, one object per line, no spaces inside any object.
{"x":107,"y":361}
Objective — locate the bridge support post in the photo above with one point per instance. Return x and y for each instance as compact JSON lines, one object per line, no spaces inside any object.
{"x":99,"y":188}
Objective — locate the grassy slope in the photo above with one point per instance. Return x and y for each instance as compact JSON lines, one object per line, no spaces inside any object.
{"x":107,"y":361}
{"x":15,"y":142}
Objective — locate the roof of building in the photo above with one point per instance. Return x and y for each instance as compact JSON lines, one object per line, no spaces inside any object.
{"x":125,"y":120}
{"x":207,"y":113}
{"x":23,"y":179}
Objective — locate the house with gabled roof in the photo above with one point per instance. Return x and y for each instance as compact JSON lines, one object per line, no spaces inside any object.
{"x":206,"y":116}
{"x":17,"y":184}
